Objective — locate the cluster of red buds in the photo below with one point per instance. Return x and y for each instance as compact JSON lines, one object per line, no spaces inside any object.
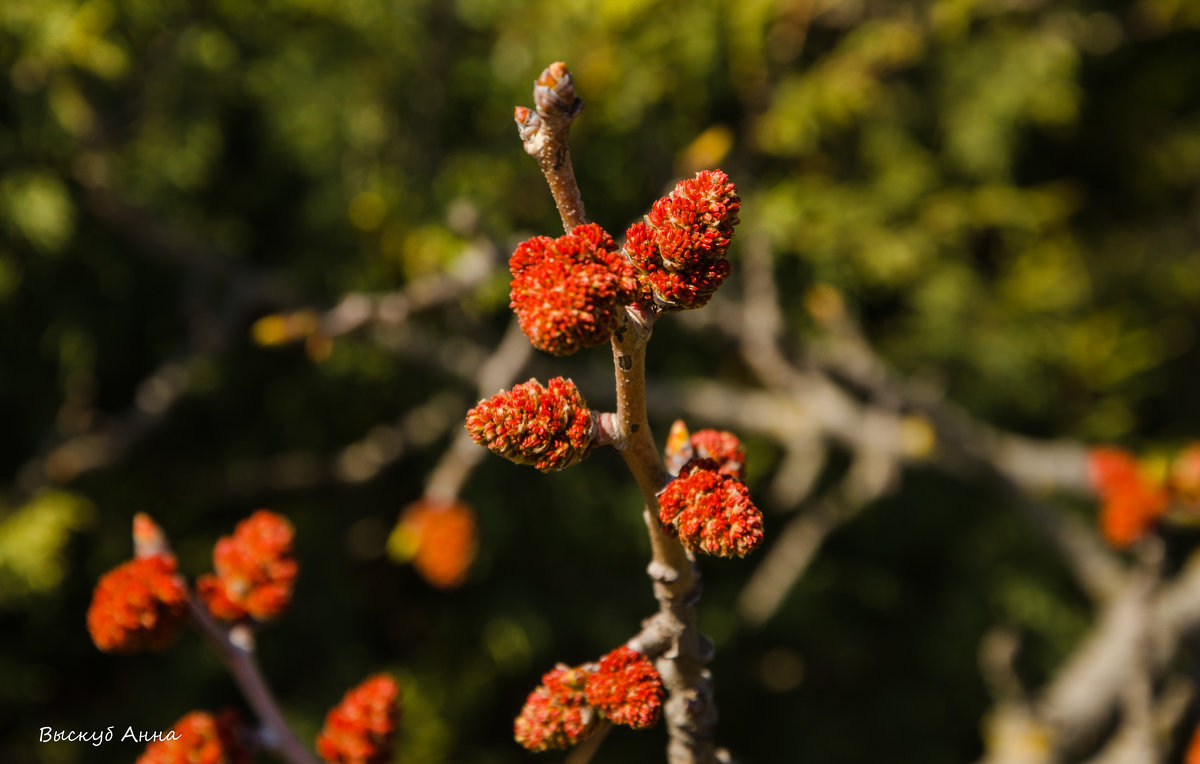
{"x":200,"y":738}
{"x":362,"y":727}
{"x":679,"y":249}
{"x":255,"y":570}
{"x":547,"y":427}
{"x":1137,"y":494}
{"x":626,"y":688}
{"x":141,"y":603}
{"x":710,"y":511}
{"x":439,"y":538}
{"x":707,"y":506}
{"x":568,"y":292}
{"x":556,"y":714}
{"x":569,"y":704}
{"x":138,"y":605}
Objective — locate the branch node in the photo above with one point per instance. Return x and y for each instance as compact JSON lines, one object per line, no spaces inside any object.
{"x":661,"y":572}
{"x":241,"y":636}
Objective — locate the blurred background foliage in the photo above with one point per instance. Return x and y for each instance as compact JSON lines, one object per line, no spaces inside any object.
{"x":1002,"y":192}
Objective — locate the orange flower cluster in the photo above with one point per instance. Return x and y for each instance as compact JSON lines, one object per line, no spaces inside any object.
{"x":710,"y":511}
{"x":679,"y":250}
{"x":627,"y":689}
{"x":569,"y":704}
{"x":1132,"y":501}
{"x":362,"y":727}
{"x":1135,"y":495}
{"x":556,"y":714}
{"x":255,"y":570}
{"x":568,"y":292}
{"x":440,"y":539}
{"x":200,"y":738}
{"x":138,"y":605}
{"x":548,"y":427}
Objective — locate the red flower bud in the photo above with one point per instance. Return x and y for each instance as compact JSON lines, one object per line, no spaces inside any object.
{"x":255,"y":570}
{"x":722,"y":447}
{"x":441,"y":538}
{"x":138,"y":605}
{"x":711,"y":511}
{"x":200,"y":738}
{"x":568,"y":292}
{"x":1111,"y":468}
{"x":361,"y":729}
{"x":627,"y":689}
{"x":1131,"y":503}
{"x":556,"y":714}
{"x":679,"y":251}
{"x":547,"y":427}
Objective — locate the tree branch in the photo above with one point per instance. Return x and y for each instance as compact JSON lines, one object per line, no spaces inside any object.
{"x":544,"y":133}
{"x":500,"y":370}
{"x":236,"y":650}
{"x":671,"y":635}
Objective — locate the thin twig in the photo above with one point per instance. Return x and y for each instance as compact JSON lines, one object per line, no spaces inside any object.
{"x":112,"y":437}
{"x":690,"y":711}
{"x":237,"y":653}
{"x":544,"y":133}
{"x":790,"y":555}
{"x":500,"y":370}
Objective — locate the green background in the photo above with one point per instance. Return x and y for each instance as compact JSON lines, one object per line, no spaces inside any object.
{"x":1004,"y":195}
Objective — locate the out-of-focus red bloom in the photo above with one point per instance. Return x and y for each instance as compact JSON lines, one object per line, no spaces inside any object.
{"x":679,"y":250}
{"x":362,"y":728}
{"x":626,"y":688}
{"x":441,"y":540}
{"x":722,"y":447}
{"x":711,"y":511}
{"x":547,"y":427}
{"x":138,"y":605}
{"x":1131,"y":502}
{"x":557,"y":714}
{"x":1111,"y":469}
{"x":568,"y":292}
{"x":200,"y":738}
{"x":255,"y":570}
